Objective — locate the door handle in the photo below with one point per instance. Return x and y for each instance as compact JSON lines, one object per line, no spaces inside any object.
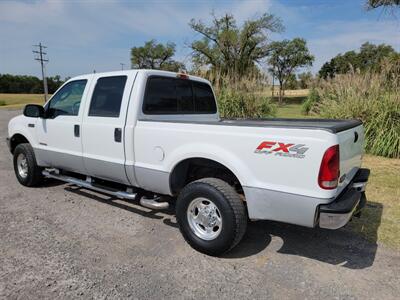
{"x":118,"y":135}
{"x":76,"y":130}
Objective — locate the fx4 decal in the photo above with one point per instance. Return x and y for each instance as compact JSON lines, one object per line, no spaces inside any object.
{"x":282,"y":149}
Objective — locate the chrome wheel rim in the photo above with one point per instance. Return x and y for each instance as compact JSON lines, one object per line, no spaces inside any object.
{"x":22,"y":165}
{"x":204,"y":218}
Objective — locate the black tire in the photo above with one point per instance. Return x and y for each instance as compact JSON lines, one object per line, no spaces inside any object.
{"x":230,"y":206}
{"x":34,"y":173}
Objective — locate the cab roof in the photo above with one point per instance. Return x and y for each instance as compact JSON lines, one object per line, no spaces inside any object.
{"x":147,"y":72}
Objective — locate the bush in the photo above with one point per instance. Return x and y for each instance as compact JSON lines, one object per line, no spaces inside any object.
{"x":373,"y":98}
{"x":239,"y":104}
{"x":240,"y":97}
{"x":2,"y":102}
{"x":310,"y":102}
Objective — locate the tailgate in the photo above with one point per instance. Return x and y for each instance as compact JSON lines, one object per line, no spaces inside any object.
{"x":351,"y":143}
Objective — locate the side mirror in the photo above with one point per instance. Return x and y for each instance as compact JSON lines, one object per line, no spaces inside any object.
{"x":34,"y":111}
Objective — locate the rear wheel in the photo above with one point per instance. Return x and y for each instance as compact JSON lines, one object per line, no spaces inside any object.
{"x":26,"y":169}
{"x":211,"y":216}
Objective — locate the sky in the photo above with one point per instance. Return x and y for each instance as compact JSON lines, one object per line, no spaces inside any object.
{"x":87,"y":35}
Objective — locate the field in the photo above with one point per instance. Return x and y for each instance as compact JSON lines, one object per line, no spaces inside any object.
{"x":291,"y":107}
{"x":380,"y":221}
{"x":19,"y":100}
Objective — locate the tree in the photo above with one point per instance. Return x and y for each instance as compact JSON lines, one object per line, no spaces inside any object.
{"x":372,"y":4}
{"x":305,"y":80}
{"x":27,"y":84}
{"x":286,"y":57}
{"x":232,"y":49}
{"x":54,"y":83}
{"x":369,"y":58}
{"x":291,"y":83}
{"x":155,"y":55}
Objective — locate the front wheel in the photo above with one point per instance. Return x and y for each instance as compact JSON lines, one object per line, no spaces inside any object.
{"x":26,"y":169}
{"x":212,"y":218}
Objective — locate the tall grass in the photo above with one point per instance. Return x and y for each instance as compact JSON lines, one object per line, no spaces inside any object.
{"x":238,"y":104}
{"x":373,"y":98}
{"x":241,"y":97}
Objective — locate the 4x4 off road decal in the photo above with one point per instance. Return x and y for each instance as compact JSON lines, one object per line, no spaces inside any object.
{"x":282,"y":149}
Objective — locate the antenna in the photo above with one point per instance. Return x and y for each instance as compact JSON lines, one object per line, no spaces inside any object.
{"x":122,"y":66}
{"x":40,"y":56}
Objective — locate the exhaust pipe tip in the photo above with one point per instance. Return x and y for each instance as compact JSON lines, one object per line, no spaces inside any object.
{"x":153,"y":203}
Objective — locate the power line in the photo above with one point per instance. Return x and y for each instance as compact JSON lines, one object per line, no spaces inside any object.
{"x":40,"y":56}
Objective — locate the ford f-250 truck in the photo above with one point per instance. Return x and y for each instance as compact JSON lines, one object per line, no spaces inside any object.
{"x":157,"y":137}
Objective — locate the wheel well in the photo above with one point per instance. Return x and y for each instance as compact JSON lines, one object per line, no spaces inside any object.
{"x":16,"y":140}
{"x":193,"y":169}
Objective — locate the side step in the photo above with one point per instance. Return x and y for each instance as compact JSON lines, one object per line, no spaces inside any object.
{"x":87,"y":184}
{"x":151,"y":203}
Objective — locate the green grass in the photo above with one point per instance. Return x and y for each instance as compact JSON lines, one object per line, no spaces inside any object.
{"x":291,"y":107}
{"x":19,"y":100}
{"x":290,"y":111}
{"x":380,"y":220}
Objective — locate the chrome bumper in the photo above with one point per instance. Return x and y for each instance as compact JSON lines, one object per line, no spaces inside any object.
{"x":339,"y":212}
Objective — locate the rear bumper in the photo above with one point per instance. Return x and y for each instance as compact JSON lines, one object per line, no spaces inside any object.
{"x":350,"y":202}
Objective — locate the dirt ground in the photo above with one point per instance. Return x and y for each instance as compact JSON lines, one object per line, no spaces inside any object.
{"x":58,"y":241}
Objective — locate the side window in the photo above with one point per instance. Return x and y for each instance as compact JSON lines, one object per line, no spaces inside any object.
{"x":204,"y":98}
{"x":160,"y":97}
{"x":66,"y":102}
{"x":107,"y":97}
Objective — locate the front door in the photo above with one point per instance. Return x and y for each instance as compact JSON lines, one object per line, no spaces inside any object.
{"x":59,"y":134}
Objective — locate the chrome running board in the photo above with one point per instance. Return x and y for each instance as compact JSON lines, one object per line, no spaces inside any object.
{"x":87,"y":184}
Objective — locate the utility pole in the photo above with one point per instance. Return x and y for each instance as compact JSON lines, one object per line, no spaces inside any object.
{"x":122,"y":66}
{"x":40,"y":56}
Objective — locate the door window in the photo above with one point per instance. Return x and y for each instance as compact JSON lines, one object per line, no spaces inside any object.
{"x":67,"y":100}
{"x":107,"y":97}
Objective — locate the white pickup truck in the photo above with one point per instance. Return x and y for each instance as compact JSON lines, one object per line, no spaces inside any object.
{"x":157,"y":137}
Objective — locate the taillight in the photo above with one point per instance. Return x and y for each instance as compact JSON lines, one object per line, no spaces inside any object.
{"x":329,"y":171}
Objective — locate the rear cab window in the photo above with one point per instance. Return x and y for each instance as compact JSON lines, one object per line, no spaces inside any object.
{"x":172,"y":96}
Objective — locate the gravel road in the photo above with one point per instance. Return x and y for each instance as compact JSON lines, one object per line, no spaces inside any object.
{"x":59,"y":241}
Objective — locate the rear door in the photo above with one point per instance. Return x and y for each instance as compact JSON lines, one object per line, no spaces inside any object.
{"x":104,"y":125}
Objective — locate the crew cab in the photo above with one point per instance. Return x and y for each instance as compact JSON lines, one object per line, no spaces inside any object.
{"x":156,"y":137}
